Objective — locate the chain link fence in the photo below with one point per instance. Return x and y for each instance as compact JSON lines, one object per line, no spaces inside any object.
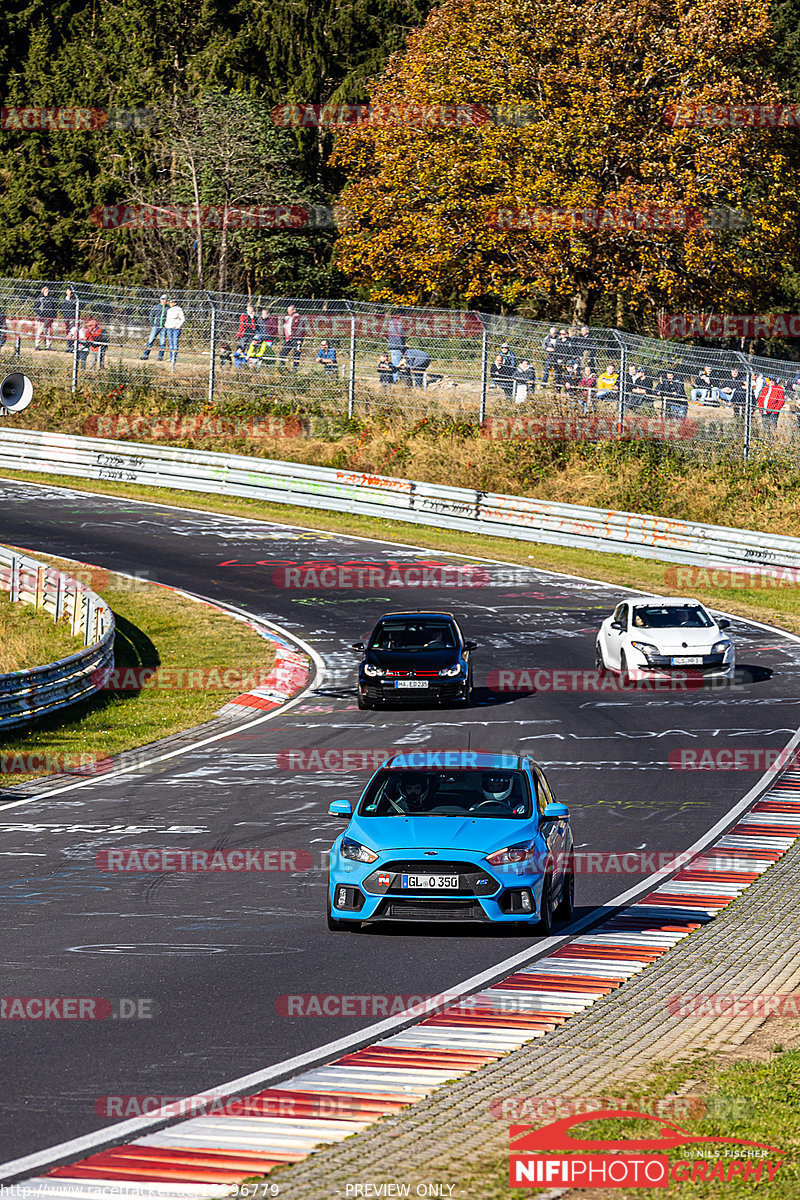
{"x":514,"y":377}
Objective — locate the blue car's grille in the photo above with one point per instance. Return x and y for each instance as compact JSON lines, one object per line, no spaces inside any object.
{"x":391,"y":879}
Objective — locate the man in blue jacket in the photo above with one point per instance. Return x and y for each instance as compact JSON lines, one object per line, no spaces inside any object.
{"x":158,"y":326}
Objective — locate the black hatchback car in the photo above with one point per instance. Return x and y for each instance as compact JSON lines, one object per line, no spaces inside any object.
{"x":415,"y":656}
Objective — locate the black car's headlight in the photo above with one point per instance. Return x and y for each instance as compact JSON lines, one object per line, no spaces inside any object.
{"x":372,"y":671}
{"x":352,"y":849}
{"x":452,"y":671}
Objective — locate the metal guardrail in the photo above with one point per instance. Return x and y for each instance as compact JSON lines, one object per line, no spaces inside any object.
{"x":516,"y":517}
{"x":38,"y":691}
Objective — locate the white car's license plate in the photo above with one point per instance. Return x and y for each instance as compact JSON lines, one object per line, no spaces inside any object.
{"x":411,"y":683}
{"x":430,"y":881}
{"x":687,"y":662}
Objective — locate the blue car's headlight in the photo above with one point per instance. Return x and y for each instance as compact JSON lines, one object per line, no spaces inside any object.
{"x":370,"y":670}
{"x":450,"y":671}
{"x":352,"y":849}
{"x":519,"y":853}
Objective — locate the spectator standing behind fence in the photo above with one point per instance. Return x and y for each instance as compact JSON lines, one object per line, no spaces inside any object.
{"x":268,"y":326}
{"x":326,"y":358}
{"x":45,"y":309}
{"x":95,"y":340}
{"x":158,"y":326}
{"x":586,"y":349}
{"x":639,"y":389}
{"x":386,"y":372}
{"x":247,"y":326}
{"x":550,"y":354}
{"x":292,"y":336}
{"x":734,"y":393}
{"x":509,"y":357}
{"x":607,"y":383}
{"x":771,"y":400}
{"x":396,"y":341}
{"x":524,"y":382}
{"x":673,"y":397}
{"x":69,"y":311}
{"x":501,"y":377}
{"x":174,"y":323}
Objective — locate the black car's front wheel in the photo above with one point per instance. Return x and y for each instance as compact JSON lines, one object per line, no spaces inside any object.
{"x":363,"y":702}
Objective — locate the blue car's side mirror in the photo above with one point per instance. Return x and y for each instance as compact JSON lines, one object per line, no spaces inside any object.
{"x":554,"y":812}
{"x":340,"y":808}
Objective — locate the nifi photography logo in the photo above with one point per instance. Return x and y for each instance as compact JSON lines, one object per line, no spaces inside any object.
{"x":550,"y":1155}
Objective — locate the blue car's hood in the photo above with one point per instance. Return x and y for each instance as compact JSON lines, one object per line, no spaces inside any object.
{"x":481,"y":835}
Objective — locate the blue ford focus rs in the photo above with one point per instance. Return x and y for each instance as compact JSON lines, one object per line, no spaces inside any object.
{"x":453,"y":835}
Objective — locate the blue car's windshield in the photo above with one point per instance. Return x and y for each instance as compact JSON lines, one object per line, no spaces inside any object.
{"x":413,"y":635}
{"x":448,"y":794}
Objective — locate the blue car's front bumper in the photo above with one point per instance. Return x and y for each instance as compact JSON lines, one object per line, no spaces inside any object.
{"x":389,"y":889}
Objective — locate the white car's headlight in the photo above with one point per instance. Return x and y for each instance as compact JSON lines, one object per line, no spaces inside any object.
{"x":645,"y":648}
{"x":721,"y":647}
{"x":370,"y":670}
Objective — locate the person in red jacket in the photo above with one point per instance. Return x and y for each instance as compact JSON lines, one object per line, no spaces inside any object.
{"x":247,"y":326}
{"x":771,"y":400}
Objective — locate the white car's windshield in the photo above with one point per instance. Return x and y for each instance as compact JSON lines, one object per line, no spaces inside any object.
{"x":670,"y":616}
{"x":448,"y":794}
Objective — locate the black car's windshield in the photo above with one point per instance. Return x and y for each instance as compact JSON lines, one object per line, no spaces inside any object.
{"x":670,"y":616}
{"x":413,"y":635}
{"x":448,"y":794}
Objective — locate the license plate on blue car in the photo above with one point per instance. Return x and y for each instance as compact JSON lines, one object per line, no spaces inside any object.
{"x":430,"y":881}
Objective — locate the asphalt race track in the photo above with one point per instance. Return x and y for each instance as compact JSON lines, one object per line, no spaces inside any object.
{"x":214,"y":953}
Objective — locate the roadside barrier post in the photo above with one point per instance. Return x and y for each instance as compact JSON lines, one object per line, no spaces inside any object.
{"x":212,"y":347}
{"x":623,"y":380}
{"x":351,"y":378}
{"x":76,"y":340}
{"x":484,"y":367}
{"x":748,"y":405}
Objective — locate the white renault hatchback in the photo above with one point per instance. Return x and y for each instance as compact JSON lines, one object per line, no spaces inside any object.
{"x":649,"y":635}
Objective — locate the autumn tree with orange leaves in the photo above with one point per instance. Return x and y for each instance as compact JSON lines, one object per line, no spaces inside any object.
{"x":422,"y":198}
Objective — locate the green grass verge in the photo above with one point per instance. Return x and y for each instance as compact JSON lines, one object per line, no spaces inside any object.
{"x":155,"y":629}
{"x":769,"y":601}
{"x":30,"y":638}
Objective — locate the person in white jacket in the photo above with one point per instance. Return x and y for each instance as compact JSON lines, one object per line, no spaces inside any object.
{"x":175,"y":320}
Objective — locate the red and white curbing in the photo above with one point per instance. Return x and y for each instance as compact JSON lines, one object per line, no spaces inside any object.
{"x":209,"y":1155}
{"x":289,"y":676}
